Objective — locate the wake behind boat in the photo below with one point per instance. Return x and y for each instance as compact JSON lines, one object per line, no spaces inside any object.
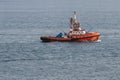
{"x":75,"y":34}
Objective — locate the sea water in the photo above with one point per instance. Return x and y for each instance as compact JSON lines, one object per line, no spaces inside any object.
{"x":23,"y":56}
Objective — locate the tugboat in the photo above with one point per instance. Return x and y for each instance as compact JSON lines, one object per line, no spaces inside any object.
{"x":75,"y":34}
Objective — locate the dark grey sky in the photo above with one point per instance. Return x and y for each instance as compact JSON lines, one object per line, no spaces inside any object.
{"x":100,"y":5}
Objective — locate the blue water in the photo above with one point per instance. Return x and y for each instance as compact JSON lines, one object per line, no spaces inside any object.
{"x":24,"y":57}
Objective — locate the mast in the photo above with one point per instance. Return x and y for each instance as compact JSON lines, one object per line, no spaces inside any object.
{"x":76,"y":24}
{"x":71,"y":23}
{"x":74,"y":17}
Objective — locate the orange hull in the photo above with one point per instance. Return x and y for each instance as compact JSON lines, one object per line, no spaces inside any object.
{"x":94,"y":36}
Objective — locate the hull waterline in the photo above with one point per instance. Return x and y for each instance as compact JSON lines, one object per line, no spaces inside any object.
{"x":82,"y":38}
